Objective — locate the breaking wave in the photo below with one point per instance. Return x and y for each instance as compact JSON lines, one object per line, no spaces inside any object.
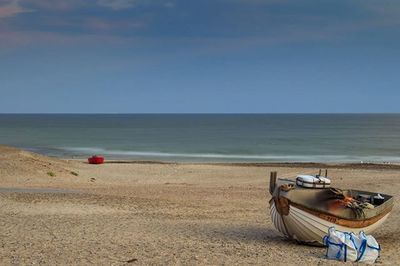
{"x":82,"y":151}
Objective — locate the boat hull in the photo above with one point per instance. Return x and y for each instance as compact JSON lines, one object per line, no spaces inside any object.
{"x":308,"y":228}
{"x":96,"y":160}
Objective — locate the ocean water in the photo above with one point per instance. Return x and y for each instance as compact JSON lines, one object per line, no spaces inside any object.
{"x":209,"y":137}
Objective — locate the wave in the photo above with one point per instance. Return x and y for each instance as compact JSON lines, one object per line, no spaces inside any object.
{"x":226,"y":157}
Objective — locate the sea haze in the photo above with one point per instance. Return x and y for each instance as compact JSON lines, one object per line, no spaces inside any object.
{"x":209,"y":137}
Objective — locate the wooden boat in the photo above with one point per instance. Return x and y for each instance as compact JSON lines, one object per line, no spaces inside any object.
{"x":96,"y":159}
{"x":306,"y":213}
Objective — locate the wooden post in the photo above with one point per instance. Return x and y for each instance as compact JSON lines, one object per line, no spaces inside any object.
{"x":272,"y":182}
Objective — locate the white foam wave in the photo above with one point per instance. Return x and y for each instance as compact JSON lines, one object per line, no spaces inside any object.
{"x":243,"y":157}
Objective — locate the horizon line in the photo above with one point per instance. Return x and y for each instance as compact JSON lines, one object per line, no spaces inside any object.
{"x":202,"y":113}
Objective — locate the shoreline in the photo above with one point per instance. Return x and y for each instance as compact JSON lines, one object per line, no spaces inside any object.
{"x":229,"y":158}
{"x":378,"y":166}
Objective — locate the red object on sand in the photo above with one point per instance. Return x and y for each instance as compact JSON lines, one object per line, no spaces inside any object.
{"x":95,"y":159}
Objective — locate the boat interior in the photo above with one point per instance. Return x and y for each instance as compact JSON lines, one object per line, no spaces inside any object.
{"x":343,"y":203}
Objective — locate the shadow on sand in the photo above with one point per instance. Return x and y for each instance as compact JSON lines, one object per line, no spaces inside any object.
{"x":250,"y":233}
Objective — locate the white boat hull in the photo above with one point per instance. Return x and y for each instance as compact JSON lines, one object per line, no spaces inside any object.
{"x":306,"y":227}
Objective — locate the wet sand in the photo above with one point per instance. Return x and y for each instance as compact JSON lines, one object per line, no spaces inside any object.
{"x":168,"y":213}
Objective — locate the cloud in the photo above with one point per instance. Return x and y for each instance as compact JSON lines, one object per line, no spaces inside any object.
{"x":384,"y":14}
{"x":169,"y":4}
{"x":15,"y":40}
{"x":11,"y":8}
{"x":241,"y":21}
{"x":116,"y":4}
{"x":57,"y":5}
{"x":111,"y":26}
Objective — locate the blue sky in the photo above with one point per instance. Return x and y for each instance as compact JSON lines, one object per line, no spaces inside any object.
{"x":220,"y":56}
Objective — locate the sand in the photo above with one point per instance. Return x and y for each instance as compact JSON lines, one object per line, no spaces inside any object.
{"x":160,"y":213}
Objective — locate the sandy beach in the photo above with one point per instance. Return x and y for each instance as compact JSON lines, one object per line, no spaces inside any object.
{"x":55,"y":212}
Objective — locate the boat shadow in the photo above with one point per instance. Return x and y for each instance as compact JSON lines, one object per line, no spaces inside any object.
{"x":252,"y":233}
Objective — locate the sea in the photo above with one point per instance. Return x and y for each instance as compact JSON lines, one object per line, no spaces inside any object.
{"x":208,"y":137}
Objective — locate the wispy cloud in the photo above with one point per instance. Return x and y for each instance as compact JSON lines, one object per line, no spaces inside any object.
{"x":12,"y":8}
{"x":103,"y":25}
{"x":169,"y":4}
{"x":57,"y":5}
{"x":116,"y":4}
{"x":245,"y":23}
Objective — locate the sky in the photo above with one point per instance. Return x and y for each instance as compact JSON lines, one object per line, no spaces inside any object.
{"x":208,"y":56}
